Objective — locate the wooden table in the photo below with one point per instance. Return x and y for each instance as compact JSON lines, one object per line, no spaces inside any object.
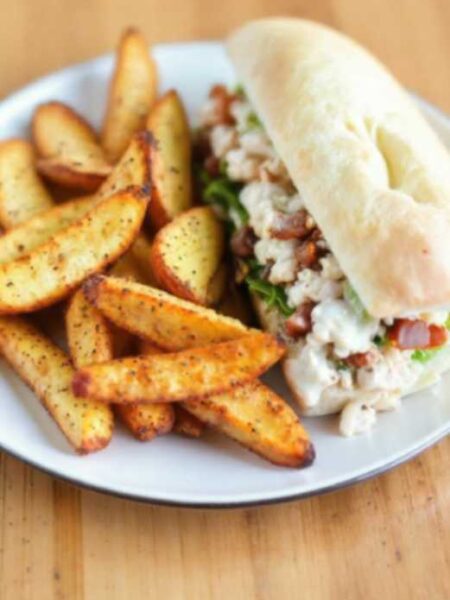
{"x":387,"y":538}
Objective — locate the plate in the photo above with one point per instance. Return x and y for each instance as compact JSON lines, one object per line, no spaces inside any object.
{"x":210,"y":472}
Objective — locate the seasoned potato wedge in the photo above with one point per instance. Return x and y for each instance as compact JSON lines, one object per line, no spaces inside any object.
{"x":69,"y":152}
{"x":135,"y":264}
{"x":186,"y":423}
{"x":39,"y":229}
{"x":22,"y":193}
{"x":133,"y":169}
{"x":54,"y":269}
{"x":217,"y":285}
{"x":141,"y":250}
{"x":169,"y":322}
{"x":170,"y":160}
{"x":185,"y":375}
{"x":88,"y":334}
{"x":48,"y":371}
{"x":146,"y":421}
{"x":131,"y":94}
{"x":187,"y":253}
{"x":258,"y":419}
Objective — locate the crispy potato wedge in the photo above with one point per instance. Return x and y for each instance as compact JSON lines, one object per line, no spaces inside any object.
{"x":217,"y":285}
{"x":146,"y":421}
{"x":186,"y":423}
{"x":48,"y":371}
{"x":169,"y":322}
{"x":187,"y":253}
{"x":39,"y":229}
{"x":133,"y":169}
{"x":88,"y":334}
{"x":135,"y":264}
{"x":22,"y":193}
{"x":185,"y":375}
{"x":257,"y":418}
{"x":69,"y":152}
{"x":141,"y":250}
{"x":170,"y":160}
{"x":54,"y":269}
{"x":131,"y":94}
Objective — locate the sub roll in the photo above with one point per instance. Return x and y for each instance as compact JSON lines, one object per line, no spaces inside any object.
{"x":337,"y":196}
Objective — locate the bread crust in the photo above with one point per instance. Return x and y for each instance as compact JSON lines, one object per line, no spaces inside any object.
{"x":370,"y":169}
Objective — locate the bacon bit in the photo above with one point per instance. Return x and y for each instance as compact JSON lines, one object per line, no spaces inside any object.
{"x":223,"y":99}
{"x":408,"y":334}
{"x":438,"y":335}
{"x":300,"y":323}
{"x":243,"y":242}
{"x":212,"y":166}
{"x":291,"y":227}
{"x":360,"y":359}
{"x":306,"y":254}
{"x":315,"y":235}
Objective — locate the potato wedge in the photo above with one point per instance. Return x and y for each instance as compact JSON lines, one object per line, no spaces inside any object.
{"x":141,"y":250}
{"x":22,"y":193}
{"x":170,"y":160}
{"x":146,"y":421}
{"x":257,"y":418}
{"x":54,"y":269}
{"x":69,"y":152}
{"x":133,"y":169}
{"x":186,"y":423}
{"x":187,"y":253}
{"x":134,"y":265}
{"x":185,"y":375}
{"x":169,"y":322}
{"x":217,"y":285}
{"x":88,"y":334}
{"x":39,"y":229}
{"x":131,"y":94}
{"x":86,"y":424}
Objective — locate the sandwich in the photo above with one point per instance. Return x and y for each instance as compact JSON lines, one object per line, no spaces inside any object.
{"x":337,"y":197}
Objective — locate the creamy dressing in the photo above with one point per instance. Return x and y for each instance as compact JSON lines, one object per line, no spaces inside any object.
{"x":339,"y":330}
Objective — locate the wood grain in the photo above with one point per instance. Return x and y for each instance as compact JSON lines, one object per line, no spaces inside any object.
{"x":386,"y":538}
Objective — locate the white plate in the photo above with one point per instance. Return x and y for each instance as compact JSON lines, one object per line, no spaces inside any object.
{"x":212,"y":471}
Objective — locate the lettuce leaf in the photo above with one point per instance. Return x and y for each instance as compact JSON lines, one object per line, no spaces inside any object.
{"x":423,"y":356}
{"x":225,"y":193}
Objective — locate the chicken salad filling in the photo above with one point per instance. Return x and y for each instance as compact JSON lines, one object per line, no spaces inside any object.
{"x":340,"y":356}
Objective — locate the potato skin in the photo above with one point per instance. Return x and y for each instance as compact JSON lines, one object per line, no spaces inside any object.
{"x":66,"y":176}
